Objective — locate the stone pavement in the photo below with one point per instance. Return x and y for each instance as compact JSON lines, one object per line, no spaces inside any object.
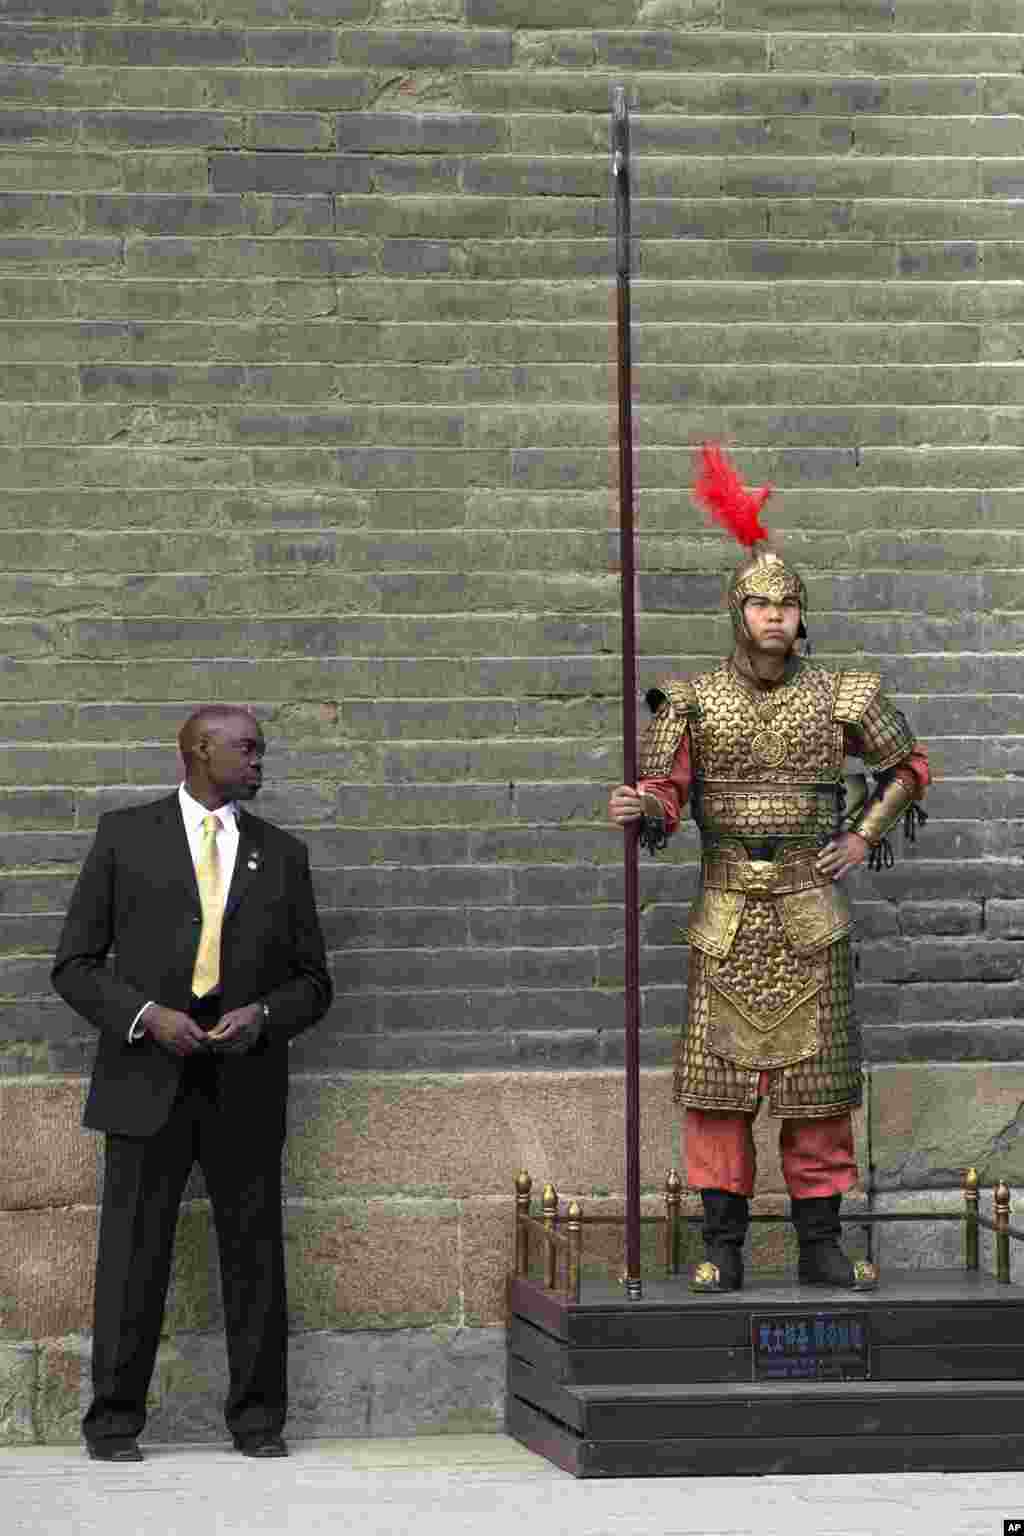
{"x":467,"y":1485}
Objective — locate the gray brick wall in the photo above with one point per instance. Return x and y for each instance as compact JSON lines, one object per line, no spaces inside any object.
{"x":304,"y":401}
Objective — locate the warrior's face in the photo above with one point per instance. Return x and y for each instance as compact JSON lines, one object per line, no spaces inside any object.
{"x":771,"y":623}
{"x":767,"y":601}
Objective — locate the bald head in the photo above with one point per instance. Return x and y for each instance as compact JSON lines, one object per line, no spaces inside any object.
{"x":222,"y":747}
{"x":210,"y":720}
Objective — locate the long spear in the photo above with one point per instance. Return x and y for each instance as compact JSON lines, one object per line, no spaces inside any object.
{"x":620,"y":182}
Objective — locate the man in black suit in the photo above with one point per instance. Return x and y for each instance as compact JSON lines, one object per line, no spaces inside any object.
{"x":218,"y":962}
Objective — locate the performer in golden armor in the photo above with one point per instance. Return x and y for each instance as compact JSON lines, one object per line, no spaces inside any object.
{"x":757,"y":747}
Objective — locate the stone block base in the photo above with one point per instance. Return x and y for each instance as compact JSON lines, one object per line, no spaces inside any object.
{"x":341,"y":1385}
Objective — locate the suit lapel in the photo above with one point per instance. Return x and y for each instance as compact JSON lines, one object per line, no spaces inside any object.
{"x":248,"y":861}
{"x":172,"y":850}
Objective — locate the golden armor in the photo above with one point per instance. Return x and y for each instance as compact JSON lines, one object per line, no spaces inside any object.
{"x":769,"y":982}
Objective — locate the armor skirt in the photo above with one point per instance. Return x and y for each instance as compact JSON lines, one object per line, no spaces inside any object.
{"x":826,"y":1083}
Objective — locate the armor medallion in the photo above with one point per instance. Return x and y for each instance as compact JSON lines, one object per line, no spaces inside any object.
{"x":768,"y":748}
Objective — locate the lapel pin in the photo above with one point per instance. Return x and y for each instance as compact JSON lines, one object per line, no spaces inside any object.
{"x":254,"y":861}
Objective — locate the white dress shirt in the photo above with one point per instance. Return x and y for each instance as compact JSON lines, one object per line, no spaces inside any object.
{"x":193,"y":814}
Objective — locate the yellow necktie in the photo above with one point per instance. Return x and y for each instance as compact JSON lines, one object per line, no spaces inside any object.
{"x":206,"y":973}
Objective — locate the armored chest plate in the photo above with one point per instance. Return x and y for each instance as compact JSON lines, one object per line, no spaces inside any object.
{"x":761,"y":758}
{"x":788,"y":734}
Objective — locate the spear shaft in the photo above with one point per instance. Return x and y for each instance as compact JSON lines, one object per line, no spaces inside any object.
{"x":627,"y":564}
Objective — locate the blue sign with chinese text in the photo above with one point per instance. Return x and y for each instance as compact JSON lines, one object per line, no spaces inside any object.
{"x":813,"y":1346}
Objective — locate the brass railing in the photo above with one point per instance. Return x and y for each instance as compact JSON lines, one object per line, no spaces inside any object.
{"x":569,"y":1244}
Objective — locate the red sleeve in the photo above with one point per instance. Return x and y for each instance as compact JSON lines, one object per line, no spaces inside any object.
{"x":673,"y":791}
{"x":915,"y":768}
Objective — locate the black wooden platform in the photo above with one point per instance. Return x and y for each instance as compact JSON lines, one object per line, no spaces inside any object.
{"x":605,"y":1387}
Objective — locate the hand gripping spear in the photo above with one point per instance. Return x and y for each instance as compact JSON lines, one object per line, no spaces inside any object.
{"x":620,"y":183}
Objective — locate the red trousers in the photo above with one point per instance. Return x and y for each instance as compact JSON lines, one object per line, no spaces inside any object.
{"x":817,"y":1155}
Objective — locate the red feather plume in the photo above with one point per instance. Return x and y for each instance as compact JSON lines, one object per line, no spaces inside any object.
{"x":720,"y":490}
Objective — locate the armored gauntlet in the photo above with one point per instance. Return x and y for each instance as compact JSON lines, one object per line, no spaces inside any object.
{"x":889,"y":802}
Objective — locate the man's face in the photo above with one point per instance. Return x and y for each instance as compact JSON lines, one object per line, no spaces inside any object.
{"x":232,"y":752}
{"x":772,"y":625}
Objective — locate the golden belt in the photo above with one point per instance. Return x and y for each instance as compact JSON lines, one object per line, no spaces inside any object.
{"x":763,"y":877}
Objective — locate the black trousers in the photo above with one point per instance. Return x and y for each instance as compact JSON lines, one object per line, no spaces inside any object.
{"x":145,"y":1179}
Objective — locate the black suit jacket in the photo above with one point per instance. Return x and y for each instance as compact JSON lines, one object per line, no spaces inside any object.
{"x":137,"y":896}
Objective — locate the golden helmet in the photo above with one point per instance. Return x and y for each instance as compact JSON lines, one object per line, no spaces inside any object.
{"x":765,"y":574}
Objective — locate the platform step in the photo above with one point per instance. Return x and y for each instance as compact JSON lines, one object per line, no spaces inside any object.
{"x":742,"y":1456}
{"x":938,"y":1347}
{"x":935,"y":1325}
{"x":768,"y":1409}
{"x":675,"y":1383}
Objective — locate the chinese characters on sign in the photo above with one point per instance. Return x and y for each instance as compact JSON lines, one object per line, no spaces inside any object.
{"x":820,"y":1346}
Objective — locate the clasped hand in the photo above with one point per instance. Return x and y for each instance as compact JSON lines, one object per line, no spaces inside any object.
{"x":235,"y":1033}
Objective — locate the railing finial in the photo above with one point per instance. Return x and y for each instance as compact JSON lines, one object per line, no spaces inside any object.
{"x":1001,"y":1203}
{"x":524,"y":1184}
{"x":549,"y":1208}
{"x":970,"y":1186}
{"x":673,"y":1204}
{"x":574,"y":1227}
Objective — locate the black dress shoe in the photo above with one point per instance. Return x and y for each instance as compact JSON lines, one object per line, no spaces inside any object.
{"x":113,"y":1450}
{"x":262,"y":1446}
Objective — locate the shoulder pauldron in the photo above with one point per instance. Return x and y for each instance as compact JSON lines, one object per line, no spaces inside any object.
{"x":675,"y":705}
{"x":886,"y":737}
{"x":854,"y":693}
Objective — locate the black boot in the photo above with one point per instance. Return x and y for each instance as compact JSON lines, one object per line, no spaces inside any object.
{"x":726,"y":1218}
{"x":822,"y":1261}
